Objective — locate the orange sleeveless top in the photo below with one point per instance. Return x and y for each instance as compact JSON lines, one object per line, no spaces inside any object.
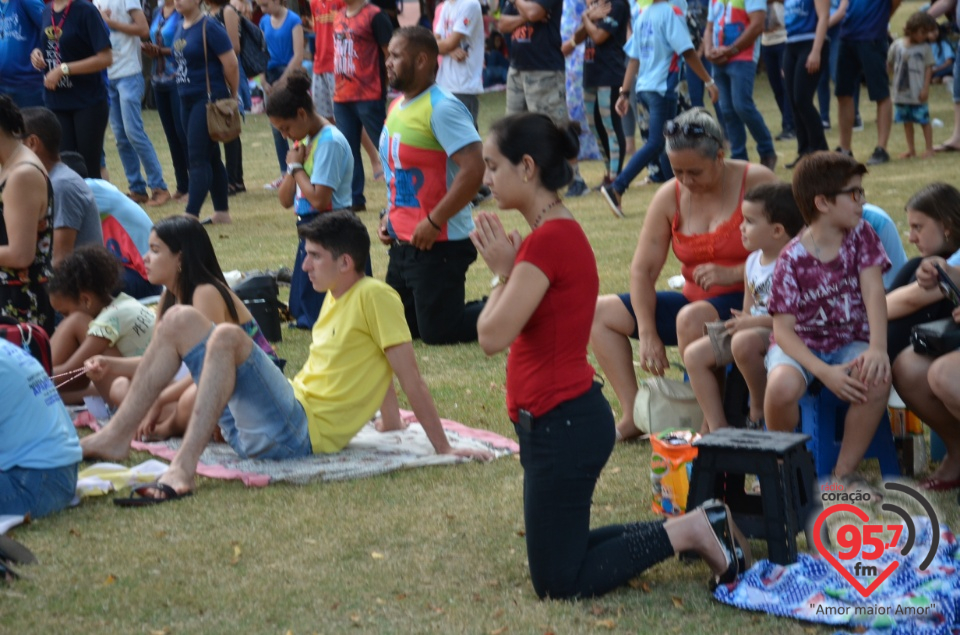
{"x":722,"y":247}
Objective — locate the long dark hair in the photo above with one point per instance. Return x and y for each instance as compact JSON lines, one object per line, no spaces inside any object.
{"x":198,"y":262}
{"x":941,"y":202}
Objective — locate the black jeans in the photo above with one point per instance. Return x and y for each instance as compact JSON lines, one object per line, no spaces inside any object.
{"x":207,"y":174}
{"x":82,"y":131}
{"x":167,"y":99}
{"x":562,"y":455}
{"x":801,"y":87}
{"x":431,"y":286}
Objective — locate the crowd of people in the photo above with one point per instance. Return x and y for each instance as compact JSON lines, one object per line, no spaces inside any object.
{"x":792,"y":282}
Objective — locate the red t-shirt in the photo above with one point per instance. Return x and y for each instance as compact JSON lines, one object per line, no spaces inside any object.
{"x":324,"y":11}
{"x":357,"y":55}
{"x":547,"y":364}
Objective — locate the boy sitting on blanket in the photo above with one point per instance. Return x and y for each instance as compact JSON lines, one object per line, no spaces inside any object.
{"x":360,"y":341}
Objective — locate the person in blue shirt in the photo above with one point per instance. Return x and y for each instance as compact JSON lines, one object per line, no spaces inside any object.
{"x":194,"y":66}
{"x":659,"y":38}
{"x":283,"y":31}
{"x":40,"y":450}
{"x":166,"y":21}
{"x":20,"y":32}
{"x":863,"y":53}
{"x":804,"y":61}
{"x":318,"y":179}
{"x":889,"y":236}
{"x":74,"y":53}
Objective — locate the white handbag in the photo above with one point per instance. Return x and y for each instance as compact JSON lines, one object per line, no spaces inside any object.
{"x":664,"y":403}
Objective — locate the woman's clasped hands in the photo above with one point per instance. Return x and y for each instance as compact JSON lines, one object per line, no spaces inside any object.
{"x":497,"y":248}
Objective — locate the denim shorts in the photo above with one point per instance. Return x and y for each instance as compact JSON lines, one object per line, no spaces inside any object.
{"x":263,"y":419}
{"x":776,"y":357}
{"x":911,"y":113}
{"x":36,"y":492}
{"x":669,"y":304}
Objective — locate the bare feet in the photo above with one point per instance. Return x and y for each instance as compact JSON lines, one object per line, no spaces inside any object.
{"x":929,"y":153}
{"x":100,"y":445}
{"x":627,"y":430}
{"x":907,"y":155}
{"x":178,"y":480}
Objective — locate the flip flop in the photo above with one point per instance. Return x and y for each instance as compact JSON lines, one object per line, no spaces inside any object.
{"x":939,"y":485}
{"x":943,"y":147}
{"x":13,"y":551}
{"x":139,"y":499}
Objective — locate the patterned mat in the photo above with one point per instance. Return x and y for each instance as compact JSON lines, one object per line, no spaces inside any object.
{"x":369,"y":453}
{"x":910,"y":601}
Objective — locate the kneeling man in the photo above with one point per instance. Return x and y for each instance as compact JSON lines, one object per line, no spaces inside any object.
{"x":359,"y":341}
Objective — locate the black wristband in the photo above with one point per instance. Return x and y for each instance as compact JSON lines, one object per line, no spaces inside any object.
{"x":430,"y":220}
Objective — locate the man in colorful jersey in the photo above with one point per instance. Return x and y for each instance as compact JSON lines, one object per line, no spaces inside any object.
{"x":433,"y":166}
{"x":733,"y":47}
{"x":360,"y":36}
{"x":863,"y":49}
{"x":536,"y":81}
{"x":324,"y":12}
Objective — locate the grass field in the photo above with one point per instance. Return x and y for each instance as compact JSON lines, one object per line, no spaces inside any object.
{"x":299,"y":559}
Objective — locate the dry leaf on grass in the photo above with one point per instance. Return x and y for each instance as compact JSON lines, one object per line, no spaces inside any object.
{"x":74,"y":532}
{"x":376,"y":555}
{"x":607,"y":624}
{"x":499,"y":631}
{"x":110,"y":580}
{"x":236,"y":554}
{"x":597,"y":610}
{"x":163,"y":631}
{"x":677,"y":601}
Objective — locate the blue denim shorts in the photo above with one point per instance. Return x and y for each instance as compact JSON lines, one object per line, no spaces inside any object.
{"x":776,"y":357}
{"x":36,"y":492}
{"x":263,"y":419}
{"x":910,"y":113}
{"x":669,"y":304}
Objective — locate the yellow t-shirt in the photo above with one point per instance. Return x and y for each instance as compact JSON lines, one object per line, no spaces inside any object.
{"x":346,"y":374}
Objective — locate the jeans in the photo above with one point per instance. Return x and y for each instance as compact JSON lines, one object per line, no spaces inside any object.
{"x":823,"y":88}
{"x":350,"y":116}
{"x":207,"y":173}
{"x":660,"y":110}
{"x":83,"y":131}
{"x":263,"y":418}
{"x":735,"y":83}
{"x":773,"y":60}
{"x":133,"y":144}
{"x":233,"y":151}
{"x":695,"y":87}
{"x":801,"y":87}
{"x":431,"y":286}
{"x":562,"y":454}
{"x":37,"y":492}
{"x":279,"y":142}
{"x":24,"y":97}
{"x":167,"y":98}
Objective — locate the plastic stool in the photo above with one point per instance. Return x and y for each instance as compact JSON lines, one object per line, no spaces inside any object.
{"x":821,"y":417}
{"x":788,"y":497}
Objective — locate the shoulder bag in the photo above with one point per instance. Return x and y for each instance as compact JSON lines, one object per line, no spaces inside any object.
{"x":223,"y":115}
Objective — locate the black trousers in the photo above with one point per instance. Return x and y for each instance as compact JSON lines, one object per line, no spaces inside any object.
{"x":801,"y":87}
{"x":83,"y":132}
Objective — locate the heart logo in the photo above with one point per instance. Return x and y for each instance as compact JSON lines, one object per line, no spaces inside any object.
{"x":829,"y":557}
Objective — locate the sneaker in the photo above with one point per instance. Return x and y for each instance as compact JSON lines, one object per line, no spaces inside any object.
{"x":826,"y":124}
{"x":483,"y":194}
{"x":577,"y":188}
{"x":273,"y":185}
{"x":786,"y":135}
{"x":769,"y":162}
{"x":612,"y":198}
{"x":858,"y":124}
{"x":236,"y":188}
{"x":849,"y":153}
{"x":793,"y":163}
{"x":159,"y":197}
{"x":138,"y":197}
{"x":879,"y":156}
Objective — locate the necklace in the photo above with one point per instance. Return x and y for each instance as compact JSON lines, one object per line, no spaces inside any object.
{"x":816,"y":247}
{"x":546,"y":209}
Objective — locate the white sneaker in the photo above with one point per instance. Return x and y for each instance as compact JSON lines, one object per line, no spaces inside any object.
{"x":273,"y":185}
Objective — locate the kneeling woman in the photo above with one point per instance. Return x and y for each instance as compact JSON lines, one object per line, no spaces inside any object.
{"x":542,"y":310}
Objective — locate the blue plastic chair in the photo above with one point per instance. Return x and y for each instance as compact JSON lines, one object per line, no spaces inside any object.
{"x":821,"y":417}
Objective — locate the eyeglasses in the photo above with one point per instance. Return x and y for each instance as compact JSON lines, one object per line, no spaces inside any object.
{"x":857,"y":194}
{"x":674,"y":129}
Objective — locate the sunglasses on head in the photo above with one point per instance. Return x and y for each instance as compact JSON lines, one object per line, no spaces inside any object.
{"x":693,"y":130}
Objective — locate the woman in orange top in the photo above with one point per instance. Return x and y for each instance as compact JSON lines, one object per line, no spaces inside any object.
{"x":698,"y":213}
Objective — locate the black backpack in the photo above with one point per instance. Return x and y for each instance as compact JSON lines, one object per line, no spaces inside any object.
{"x":253,"y":48}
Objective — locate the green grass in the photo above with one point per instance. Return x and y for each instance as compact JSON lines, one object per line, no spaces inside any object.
{"x":299,"y":559}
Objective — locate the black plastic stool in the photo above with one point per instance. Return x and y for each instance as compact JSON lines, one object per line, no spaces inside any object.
{"x":789,"y":494}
